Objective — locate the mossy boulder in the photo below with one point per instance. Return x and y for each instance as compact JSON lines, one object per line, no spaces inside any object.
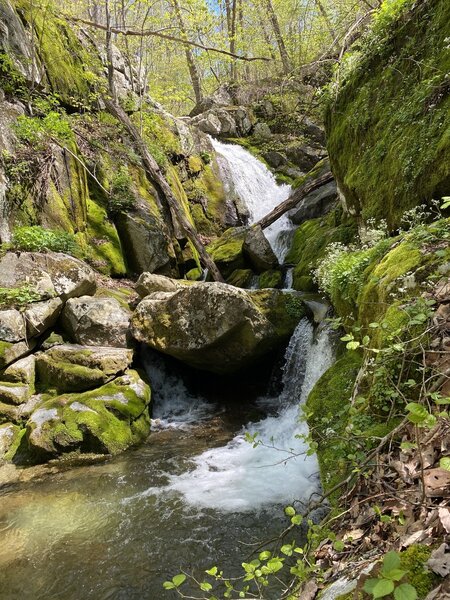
{"x":10,"y":352}
{"x":271,"y":279}
{"x":216,"y":327}
{"x":75,"y":368}
{"x":241,"y":278}
{"x":21,"y":371}
{"x":310,"y":243}
{"x":40,"y":316}
{"x":15,"y":392}
{"x":226,"y":251}
{"x":327,"y":417}
{"x":12,"y":326}
{"x":10,"y":438}
{"x":106,"y":420}
{"x":388,"y":128}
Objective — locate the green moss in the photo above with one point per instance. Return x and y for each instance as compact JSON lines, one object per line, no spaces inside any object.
{"x":4,"y":347}
{"x":327,"y":417}
{"x":71,"y":68}
{"x":413,"y":561}
{"x":194,"y":274}
{"x":271,"y":279}
{"x":123,"y":295}
{"x":310,"y":242}
{"x":64,"y":376}
{"x":18,"y":436}
{"x":227,"y":251}
{"x":388,"y":129}
{"x":105,"y":250}
{"x":283,"y":309}
{"x":241,"y":278}
{"x":195,"y":164}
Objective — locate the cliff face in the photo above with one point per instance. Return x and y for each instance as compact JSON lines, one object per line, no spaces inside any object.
{"x":68,"y":165}
{"x":388,"y":122}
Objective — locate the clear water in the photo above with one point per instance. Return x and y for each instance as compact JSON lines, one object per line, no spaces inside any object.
{"x":187,"y":498}
{"x":257,"y":188}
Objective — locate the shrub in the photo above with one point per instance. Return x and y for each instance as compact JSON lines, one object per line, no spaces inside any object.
{"x":121,"y":192}
{"x":38,"y":239}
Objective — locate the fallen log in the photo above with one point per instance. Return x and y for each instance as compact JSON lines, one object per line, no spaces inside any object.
{"x":294,"y":199}
{"x":157,"y":178}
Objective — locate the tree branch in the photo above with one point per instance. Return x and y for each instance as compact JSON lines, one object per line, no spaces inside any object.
{"x":164,"y":36}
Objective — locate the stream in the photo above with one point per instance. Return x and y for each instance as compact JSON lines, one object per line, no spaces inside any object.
{"x":191,"y":494}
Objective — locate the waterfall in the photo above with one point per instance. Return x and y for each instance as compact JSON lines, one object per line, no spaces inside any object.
{"x":256,"y":187}
{"x":239,"y":477}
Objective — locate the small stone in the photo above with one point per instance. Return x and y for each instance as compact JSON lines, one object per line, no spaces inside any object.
{"x":40,"y":316}
{"x":22,"y":371}
{"x":12,"y":326}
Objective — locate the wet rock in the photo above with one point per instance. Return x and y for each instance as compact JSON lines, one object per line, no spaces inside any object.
{"x":214,"y":326}
{"x":40,"y":316}
{"x":316,"y":204}
{"x":274,"y":159}
{"x":258,"y":251}
{"x":12,"y":326}
{"x":96,"y":321}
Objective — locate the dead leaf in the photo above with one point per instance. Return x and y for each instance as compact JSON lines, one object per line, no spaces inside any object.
{"x":439,"y":561}
{"x":354,"y":535}
{"x":444,"y":516}
{"x":437,"y":483}
{"x":309,"y":591}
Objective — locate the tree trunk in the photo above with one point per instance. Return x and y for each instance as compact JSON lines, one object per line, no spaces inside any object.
{"x":232,"y":36}
{"x":287,"y":67}
{"x":109,"y":54}
{"x":293,"y":200}
{"x":155,"y":175}
{"x":193,"y":71}
{"x":326,"y":18}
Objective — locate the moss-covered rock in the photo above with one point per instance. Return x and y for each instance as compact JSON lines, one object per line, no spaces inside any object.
{"x":107,"y":420}
{"x":227,"y":250}
{"x":216,"y":327}
{"x":241,"y":278}
{"x":271,"y":279}
{"x":388,"y":128}
{"x":310,"y":243}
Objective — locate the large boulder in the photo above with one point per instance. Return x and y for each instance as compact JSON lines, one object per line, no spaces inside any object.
{"x":75,"y":368}
{"x":96,"y":321}
{"x":316,"y":204}
{"x":150,"y":282}
{"x":40,"y":316}
{"x":106,"y":420}
{"x":214,"y":326}
{"x":9,"y":352}
{"x":258,"y":251}
{"x":49,"y":274}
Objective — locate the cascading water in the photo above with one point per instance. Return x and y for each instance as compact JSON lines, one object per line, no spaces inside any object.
{"x":240,"y":477}
{"x":248,"y":178}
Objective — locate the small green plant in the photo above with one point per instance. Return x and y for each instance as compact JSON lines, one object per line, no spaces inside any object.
{"x":17,"y":297}
{"x":121,"y":192}
{"x":387,"y":583}
{"x":37,"y":131}
{"x":38,"y":239}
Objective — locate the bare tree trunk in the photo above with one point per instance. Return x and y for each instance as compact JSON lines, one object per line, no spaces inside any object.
{"x":193,"y":71}
{"x":326,"y":18}
{"x":232,"y":36}
{"x":293,"y":200}
{"x":109,"y":54}
{"x":155,"y":175}
{"x":287,"y":67}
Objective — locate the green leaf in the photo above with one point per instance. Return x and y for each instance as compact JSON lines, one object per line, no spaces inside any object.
{"x":391,"y":561}
{"x":384,"y":587}
{"x":205,"y":586}
{"x":265,"y":555}
{"x":366,"y":340}
{"x":286,"y":549}
{"x":444,"y":463}
{"x":353,"y":345}
{"x":297,"y":520}
{"x":178,"y":579}
{"x":442,"y":401}
{"x":168,"y":585}
{"x":374,"y":325}
{"x":394,"y":574}
{"x":370,"y":584}
{"x":212,"y":571}
{"x":338,"y":545}
{"x":405,"y":591}
{"x":289,"y":511}
{"x":347,"y":338}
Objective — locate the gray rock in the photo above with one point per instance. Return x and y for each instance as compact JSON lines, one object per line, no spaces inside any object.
{"x":10,"y":352}
{"x":40,"y":316}
{"x":111,"y":361}
{"x":150,"y":282}
{"x":22,"y":371}
{"x":12,"y":326}
{"x":96,"y":321}
{"x":214,"y":326}
{"x":50,"y":274}
{"x":274,"y":159}
{"x":313,"y":131}
{"x":304,"y":156}
{"x":15,"y":393}
{"x":9,"y":437}
{"x":258,"y":251}
{"x":262,"y":131}
{"x":316,"y":204}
